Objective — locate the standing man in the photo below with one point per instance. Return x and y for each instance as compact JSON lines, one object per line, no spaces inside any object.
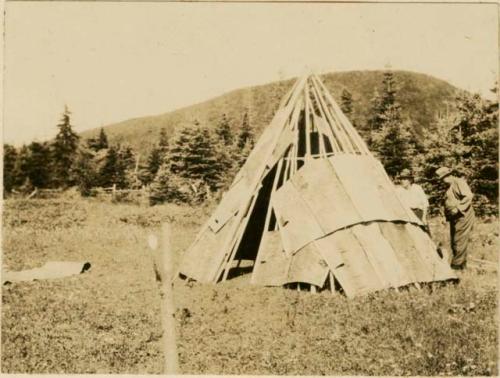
{"x":413,"y":196}
{"x":459,"y":213}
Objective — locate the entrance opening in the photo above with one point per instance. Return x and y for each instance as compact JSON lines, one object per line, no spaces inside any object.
{"x":252,"y":236}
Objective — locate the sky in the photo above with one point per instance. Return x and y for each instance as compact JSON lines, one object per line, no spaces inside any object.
{"x":113,"y":61}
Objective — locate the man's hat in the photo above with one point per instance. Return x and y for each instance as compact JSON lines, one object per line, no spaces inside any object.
{"x":443,"y":172}
{"x":405,"y":173}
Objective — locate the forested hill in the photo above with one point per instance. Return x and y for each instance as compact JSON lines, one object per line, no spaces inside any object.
{"x":421,"y":97}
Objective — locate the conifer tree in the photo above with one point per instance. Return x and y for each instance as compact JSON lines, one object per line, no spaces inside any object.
{"x":9,"y":166}
{"x":389,"y":92}
{"x":441,"y":148}
{"x":380,"y":103}
{"x":223,"y":131}
{"x":245,"y":135}
{"x":192,"y":169}
{"x":153,"y":163}
{"x":467,"y":143}
{"x":92,"y":143}
{"x":391,"y":137}
{"x":124,"y":165}
{"x":346,"y":104}
{"x":143,"y":175}
{"x":477,"y":127}
{"x":179,"y":150}
{"x":163,"y":142}
{"x":39,"y":163}
{"x":484,"y":150}
{"x":394,"y":143}
{"x":31,"y":162}
{"x":225,"y":151}
{"x":134,"y":179}
{"x":107,"y":173}
{"x":84,"y":170}
{"x":376,"y":111}
{"x":102,"y":140}
{"x":157,"y":156}
{"x":98,"y":143}
{"x":227,"y":161}
{"x":21,"y":169}
{"x":160,"y":189}
{"x":166,"y":187}
{"x":242,"y":155}
{"x":201,"y":159}
{"x":64,"y":150}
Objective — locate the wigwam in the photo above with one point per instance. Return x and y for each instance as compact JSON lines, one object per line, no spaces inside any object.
{"x":312,"y":206}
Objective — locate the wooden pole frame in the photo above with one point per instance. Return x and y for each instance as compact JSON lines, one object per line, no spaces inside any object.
{"x":308,"y":94}
{"x":268,"y":215}
{"x":340,"y":134}
{"x":350,"y":128}
{"x":231,"y":245}
{"x":335,"y":141}
{"x":347,"y":134}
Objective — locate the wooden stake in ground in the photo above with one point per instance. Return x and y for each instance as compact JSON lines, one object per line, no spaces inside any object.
{"x":171,"y":363}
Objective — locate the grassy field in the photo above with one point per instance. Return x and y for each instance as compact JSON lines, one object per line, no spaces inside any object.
{"x":108,"y":320}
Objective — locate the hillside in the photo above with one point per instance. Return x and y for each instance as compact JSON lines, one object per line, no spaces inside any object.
{"x":421,"y":97}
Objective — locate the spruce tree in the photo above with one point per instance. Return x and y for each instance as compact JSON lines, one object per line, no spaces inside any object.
{"x":157,"y":156}
{"x":223,"y":131}
{"x":159,"y":189}
{"x":163,"y":142}
{"x":391,"y":137}
{"x":39,"y":164}
{"x":64,"y":150}
{"x":477,"y":126}
{"x":153,"y":163}
{"x":107,"y":173}
{"x":380,"y":103}
{"x":9,"y":166}
{"x":245,"y":136}
{"x":346,"y":104}
{"x":225,"y":151}
{"x":441,"y":148}
{"x":375,"y":119}
{"x":98,"y":143}
{"x":33,"y":162}
{"x":124,"y":166}
{"x":22,"y":166}
{"x":84,"y":171}
{"x":179,"y":151}
{"x":389,"y":92}
{"x":394,"y":143}
{"x":165,"y":187}
{"x":173,"y":175}
{"x":160,"y":154}
{"x":467,"y":143}
{"x":242,"y":155}
{"x":201,"y":159}
{"x":92,"y":143}
{"x":143,"y":175}
{"x":192,"y":163}
{"x":102,"y":140}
